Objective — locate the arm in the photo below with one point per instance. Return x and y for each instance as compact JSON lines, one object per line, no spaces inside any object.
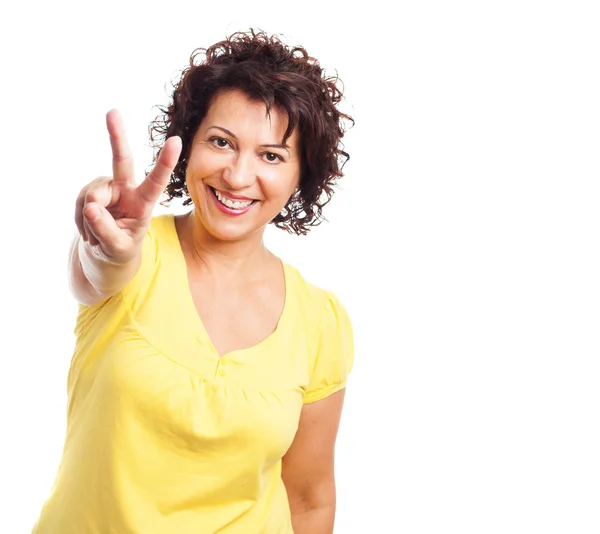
{"x":308,"y":466}
{"x":93,"y":278}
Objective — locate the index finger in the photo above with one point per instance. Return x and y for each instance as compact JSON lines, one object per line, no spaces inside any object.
{"x":122,"y":157}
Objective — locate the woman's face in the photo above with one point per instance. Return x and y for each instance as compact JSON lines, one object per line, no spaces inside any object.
{"x":239,"y":174}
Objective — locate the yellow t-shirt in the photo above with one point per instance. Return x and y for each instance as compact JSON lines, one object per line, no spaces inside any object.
{"x":165,"y":437}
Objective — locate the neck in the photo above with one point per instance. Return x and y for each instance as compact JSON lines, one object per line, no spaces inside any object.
{"x":215,"y":255}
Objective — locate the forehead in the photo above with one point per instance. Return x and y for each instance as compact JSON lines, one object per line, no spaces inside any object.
{"x":243,"y":116}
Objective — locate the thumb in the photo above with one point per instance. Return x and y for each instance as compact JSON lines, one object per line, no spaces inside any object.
{"x":92,"y":213}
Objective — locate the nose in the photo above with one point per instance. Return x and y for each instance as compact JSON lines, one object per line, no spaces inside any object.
{"x":240,"y":173}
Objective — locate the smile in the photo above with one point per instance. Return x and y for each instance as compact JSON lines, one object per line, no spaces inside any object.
{"x":229,"y":206}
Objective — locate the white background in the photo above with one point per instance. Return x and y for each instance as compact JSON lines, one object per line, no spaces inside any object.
{"x":463,"y":241}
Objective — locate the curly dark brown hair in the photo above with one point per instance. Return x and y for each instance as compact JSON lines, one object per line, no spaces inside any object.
{"x":267,"y":70}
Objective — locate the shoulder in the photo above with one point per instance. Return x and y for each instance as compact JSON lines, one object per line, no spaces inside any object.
{"x":159,"y":253}
{"x":162,"y":227}
{"x":309,"y":296}
{"x":160,"y":239}
{"x":319,"y":303}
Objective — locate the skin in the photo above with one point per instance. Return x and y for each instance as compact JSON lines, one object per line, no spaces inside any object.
{"x":238,"y":285}
{"x":308,"y":466}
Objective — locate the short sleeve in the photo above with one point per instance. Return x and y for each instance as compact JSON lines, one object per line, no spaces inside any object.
{"x":334,"y":352}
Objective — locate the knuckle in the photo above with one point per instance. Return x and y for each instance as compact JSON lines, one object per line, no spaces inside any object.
{"x":99,"y":190}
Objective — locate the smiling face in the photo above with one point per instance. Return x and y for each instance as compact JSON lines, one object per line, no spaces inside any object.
{"x":239,"y":174}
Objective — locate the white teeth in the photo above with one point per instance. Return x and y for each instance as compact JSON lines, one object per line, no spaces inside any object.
{"x":234,"y":204}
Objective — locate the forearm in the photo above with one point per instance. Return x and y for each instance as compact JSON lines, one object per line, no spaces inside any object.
{"x":93,"y":277}
{"x":314,"y":520}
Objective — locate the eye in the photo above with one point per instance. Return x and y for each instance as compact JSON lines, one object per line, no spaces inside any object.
{"x":271,"y":157}
{"x":219,"y":142}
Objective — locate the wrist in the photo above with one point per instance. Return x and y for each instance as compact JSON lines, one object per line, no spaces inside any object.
{"x":106,"y":275}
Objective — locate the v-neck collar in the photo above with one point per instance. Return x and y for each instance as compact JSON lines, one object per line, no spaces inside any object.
{"x":193,"y":319}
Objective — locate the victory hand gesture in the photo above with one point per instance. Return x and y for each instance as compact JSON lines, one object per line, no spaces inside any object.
{"x":113,"y":214}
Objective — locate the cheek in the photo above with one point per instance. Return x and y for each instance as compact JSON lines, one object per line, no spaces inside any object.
{"x":205,"y":163}
{"x":279,"y":185}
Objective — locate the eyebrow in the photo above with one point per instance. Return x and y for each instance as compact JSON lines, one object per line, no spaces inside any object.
{"x":284,"y":147}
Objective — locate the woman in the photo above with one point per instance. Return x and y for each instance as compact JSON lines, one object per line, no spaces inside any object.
{"x":208,"y":378}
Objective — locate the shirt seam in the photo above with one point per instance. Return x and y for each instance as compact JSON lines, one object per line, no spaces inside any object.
{"x":324,"y":392}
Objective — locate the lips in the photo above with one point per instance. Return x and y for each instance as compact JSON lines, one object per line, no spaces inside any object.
{"x":230,"y":206}
{"x":233,"y":202}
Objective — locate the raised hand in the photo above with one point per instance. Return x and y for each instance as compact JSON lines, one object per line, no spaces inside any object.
{"x":113,"y":213}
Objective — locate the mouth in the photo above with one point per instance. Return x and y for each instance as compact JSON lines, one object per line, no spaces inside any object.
{"x":230,"y":206}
